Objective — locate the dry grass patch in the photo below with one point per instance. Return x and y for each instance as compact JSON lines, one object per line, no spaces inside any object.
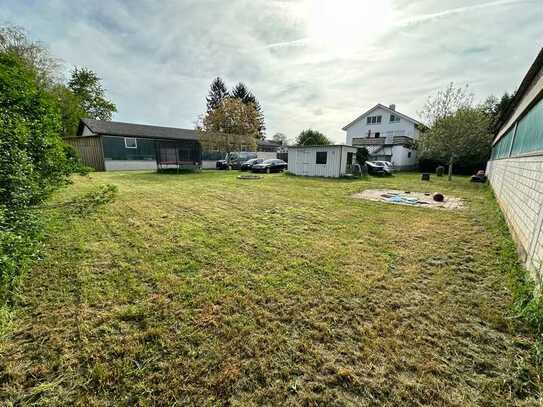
{"x":203,"y":289}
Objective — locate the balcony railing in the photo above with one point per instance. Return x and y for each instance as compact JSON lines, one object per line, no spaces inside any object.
{"x":368,"y":141}
{"x":395,"y":140}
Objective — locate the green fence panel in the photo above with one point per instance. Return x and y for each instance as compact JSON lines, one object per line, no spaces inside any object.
{"x":529,"y":138}
{"x":115,"y":149}
{"x":501,"y":148}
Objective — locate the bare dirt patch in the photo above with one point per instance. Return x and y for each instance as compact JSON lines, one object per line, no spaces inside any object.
{"x":410,"y":198}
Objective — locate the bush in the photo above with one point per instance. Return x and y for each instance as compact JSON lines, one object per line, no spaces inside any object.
{"x":33,"y":162}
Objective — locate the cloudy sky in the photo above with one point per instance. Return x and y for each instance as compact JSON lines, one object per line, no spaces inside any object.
{"x":315,"y":64}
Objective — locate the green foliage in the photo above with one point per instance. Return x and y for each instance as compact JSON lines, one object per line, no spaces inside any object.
{"x":494,"y":107}
{"x":71,"y":109}
{"x":312,"y":137}
{"x":32,"y":162}
{"x":87,"y":86}
{"x":463,"y":136}
{"x":362,"y":155}
{"x":14,"y":40}
{"x":446,"y":102}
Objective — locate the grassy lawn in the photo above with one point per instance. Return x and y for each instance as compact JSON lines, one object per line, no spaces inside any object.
{"x":203,"y":289}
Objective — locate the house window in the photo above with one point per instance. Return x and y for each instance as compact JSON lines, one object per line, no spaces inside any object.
{"x":130,"y":142}
{"x":322,"y":157}
{"x":373,"y":119}
{"x":394,"y":118}
{"x":377,"y":135}
{"x":409,"y":154}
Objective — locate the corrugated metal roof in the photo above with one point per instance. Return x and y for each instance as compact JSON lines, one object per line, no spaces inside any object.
{"x":137,"y":130}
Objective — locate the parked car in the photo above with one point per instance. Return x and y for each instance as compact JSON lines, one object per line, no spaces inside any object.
{"x":233,"y":161}
{"x":268,"y":166}
{"x":247,"y":165}
{"x":479,"y":177}
{"x":387,"y":164}
{"x":375,"y":168}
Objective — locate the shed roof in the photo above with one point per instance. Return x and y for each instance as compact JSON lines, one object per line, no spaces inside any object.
{"x":322,"y":146}
{"x":136,"y":130}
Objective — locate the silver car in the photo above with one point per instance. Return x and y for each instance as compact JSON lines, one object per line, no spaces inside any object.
{"x":387,"y":165}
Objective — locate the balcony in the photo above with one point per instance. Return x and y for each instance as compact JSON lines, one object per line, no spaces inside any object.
{"x":394,"y":140}
{"x":359,"y":141}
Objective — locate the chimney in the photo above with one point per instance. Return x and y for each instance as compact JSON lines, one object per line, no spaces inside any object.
{"x":392,"y":107}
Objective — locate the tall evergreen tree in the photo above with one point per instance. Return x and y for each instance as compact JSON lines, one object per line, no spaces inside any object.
{"x":217,"y":93}
{"x":241,"y":92}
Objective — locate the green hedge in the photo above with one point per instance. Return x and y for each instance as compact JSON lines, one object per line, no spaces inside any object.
{"x":33,"y":163}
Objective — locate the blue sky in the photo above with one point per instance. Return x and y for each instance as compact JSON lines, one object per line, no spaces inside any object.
{"x":315,"y":64}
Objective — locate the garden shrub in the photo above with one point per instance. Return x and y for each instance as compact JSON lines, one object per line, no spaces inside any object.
{"x":32,"y":164}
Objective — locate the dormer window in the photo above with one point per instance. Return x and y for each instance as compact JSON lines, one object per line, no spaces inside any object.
{"x":394,"y":118}
{"x":374,"y":119}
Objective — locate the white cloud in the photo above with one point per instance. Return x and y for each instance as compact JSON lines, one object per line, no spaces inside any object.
{"x":304,"y":65}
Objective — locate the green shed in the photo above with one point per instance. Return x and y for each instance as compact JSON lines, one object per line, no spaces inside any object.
{"x":110,"y":146}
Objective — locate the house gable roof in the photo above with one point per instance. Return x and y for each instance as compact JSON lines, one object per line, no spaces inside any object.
{"x":377,"y":106}
{"x":110,"y":128}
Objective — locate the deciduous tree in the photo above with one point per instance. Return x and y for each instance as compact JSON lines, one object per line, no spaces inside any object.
{"x":14,"y":40}
{"x":280,"y":138}
{"x":87,"y":86}
{"x":230,"y":125}
{"x":312,"y":137}
{"x":463,"y":135}
{"x":446,"y":102}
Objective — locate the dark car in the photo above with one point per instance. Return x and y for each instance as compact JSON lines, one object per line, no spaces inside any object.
{"x":377,"y":168}
{"x":234,"y":160}
{"x":268,"y":166}
{"x":247,"y":165}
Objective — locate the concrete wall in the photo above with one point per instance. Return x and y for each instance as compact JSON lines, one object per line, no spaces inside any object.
{"x":518,"y":186}
{"x":129,"y":165}
{"x":401,"y":159}
{"x":517,"y":182}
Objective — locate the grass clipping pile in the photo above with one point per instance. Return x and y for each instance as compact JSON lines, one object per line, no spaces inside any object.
{"x":418,"y":199}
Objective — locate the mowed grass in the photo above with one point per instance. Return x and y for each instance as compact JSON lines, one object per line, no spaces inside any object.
{"x":203,"y":289}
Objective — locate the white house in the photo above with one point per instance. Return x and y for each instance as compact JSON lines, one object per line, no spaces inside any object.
{"x":387,"y":134}
{"x":321,"y":161}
